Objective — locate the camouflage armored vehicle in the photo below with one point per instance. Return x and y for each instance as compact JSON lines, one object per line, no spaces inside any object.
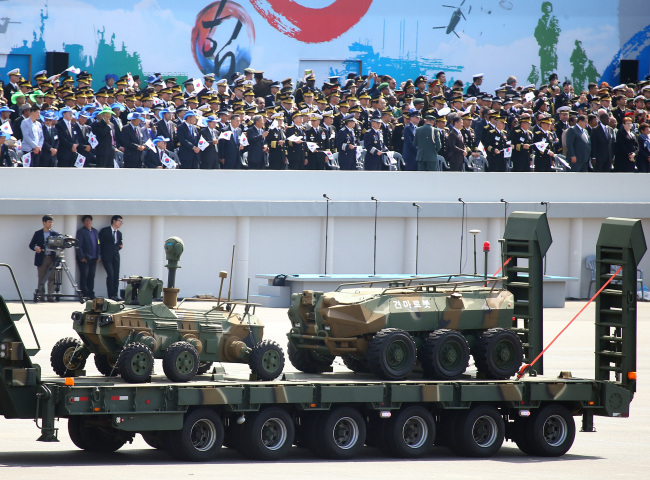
{"x":126,"y":336}
{"x":386,"y":331}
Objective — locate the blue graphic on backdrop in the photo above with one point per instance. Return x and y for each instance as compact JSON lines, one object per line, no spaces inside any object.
{"x":637,"y":47}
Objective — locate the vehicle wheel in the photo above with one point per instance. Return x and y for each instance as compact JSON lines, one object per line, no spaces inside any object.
{"x":445,"y":355}
{"x":500,"y":352}
{"x":65,"y":359}
{"x":267,"y":435}
{"x":519,"y":434}
{"x":201,"y":437}
{"x":479,"y":432}
{"x":308,"y":361}
{"x":153,"y":439}
{"x":409,"y":433}
{"x":356,"y":364}
{"x":135,"y":363}
{"x":96,"y":435}
{"x":551,"y":431}
{"x":267,"y":360}
{"x":105,"y":366}
{"x":340,"y":434}
{"x":204,"y":367}
{"x":391,"y":354}
{"x":180,"y":362}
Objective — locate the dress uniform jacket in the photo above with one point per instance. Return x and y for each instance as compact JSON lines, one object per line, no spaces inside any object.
{"x":519,"y":137}
{"x":495,"y":140}
{"x":277,"y":152}
{"x":296,"y":151}
{"x":374,"y":150}
{"x":347,"y":156}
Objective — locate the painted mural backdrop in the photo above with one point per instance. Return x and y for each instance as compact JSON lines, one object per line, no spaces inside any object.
{"x":527,"y":38}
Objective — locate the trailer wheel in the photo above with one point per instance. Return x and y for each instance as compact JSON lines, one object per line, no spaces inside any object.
{"x":479,"y":432}
{"x":65,"y":359}
{"x":551,"y":431}
{"x":391,"y":354}
{"x":94,"y":435}
{"x":135,"y":363}
{"x":201,"y":437}
{"x":445,"y":355}
{"x":267,"y":360}
{"x":180,"y":362}
{"x":409,"y":433}
{"x":308,"y":361}
{"x":267,"y":435}
{"x":153,"y":439}
{"x":106,"y":366}
{"x":340,"y":434}
{"x":501,"y":353}
{"x":356,"y":364}
{"x":204,"y":367}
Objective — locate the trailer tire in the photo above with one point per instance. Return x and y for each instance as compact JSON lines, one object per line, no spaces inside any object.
{"x":135,"y":363}
{"x":201,"y":437}
{"x":391,"y":354}
{"x":409,"y":433}
{"x":267,"y":360}
{"x":62,"y":354}
{"x":340,"y":434}
{"x":551,"y":431}
{"x":105,"y":366}
{"x":153,"y":439}
{"x":308,"y":361}
{"x":96,"y":438}
{"x":180,"y":362}
{"x":479,"y":432}
{"x":267,"y":434}
{"x":204,"y":367}
{"x":356,"y":364}
{"x":501,"y":353}
{"x":445,"y":355}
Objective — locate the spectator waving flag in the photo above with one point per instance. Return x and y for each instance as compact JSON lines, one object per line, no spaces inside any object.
{"x":541,"y":145}
{"x":81,"y":161}
{"x":92,"y":139}
{"x":72,"y":69}
{"x":6,"y":128}
{"x":203,"y":144}
{"x":198,"y":84}
{"x":244,"y":140}
{"x":129,"y":80}
{"x":27,"y":160}
{"x":225,"y":135}
{"x":168,"y":162}
{"x":312,"y":146}
{"x":150,"y":144}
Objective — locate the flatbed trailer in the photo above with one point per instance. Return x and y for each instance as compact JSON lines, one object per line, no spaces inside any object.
{"x":334,"y":418}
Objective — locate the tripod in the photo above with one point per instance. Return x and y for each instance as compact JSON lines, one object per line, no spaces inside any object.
{"x":58,"y":266}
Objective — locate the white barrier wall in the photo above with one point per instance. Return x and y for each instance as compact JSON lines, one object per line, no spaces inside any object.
{"x":277,"y":220}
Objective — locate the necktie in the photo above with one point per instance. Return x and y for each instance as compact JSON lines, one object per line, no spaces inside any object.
{"x":234,"y":135}
{"x":114,"y":236}
{"x":70,"y":128}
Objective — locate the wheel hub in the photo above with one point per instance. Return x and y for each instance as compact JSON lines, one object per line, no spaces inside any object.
{"x":184,"y":362}
{"x":139,"y":363}
{"x":396,"y":354}
{"x":484,"y":431}
{"x":274,"y":434}
{"x":555,"y":430}
{"x":203,"y":435}
{"x":346,"y":433}
{"x":415,"y":432}
{"x":271,"y":361}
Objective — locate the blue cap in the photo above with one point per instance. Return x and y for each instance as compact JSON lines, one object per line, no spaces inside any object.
{"x":110,"y":75}
{"x":117,"y":105}
{"x":189,"y":113}
{"x":160,"y":139}
{"x":211,"y":118}
{"x":413,"y":113}
{"x":63,"y":110}
{"x":4,"y":108}
{"x":49,"y":115}
{"x":349,"y":117}
{"x":83,"y":113}
{"x":134,"y":116}
{"x":152,"y":78}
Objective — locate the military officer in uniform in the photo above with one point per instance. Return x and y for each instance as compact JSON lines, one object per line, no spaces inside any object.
{"x":521,"y":139}
{"x":346,"y":144}
{"x":277,"y":142}
{"x":495,"y":143}
{"x":374,"y":145}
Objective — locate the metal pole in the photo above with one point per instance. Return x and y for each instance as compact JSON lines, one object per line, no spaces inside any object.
{"x":462,"y":233}
{"x":546,"y":213}
{"x":374,"y":259}
{"x":475,"y":232}
{"x":327,"y":226}
{"x":417,"y":235}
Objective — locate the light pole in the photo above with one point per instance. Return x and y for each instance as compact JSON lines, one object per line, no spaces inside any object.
{"x":475,"y":232}
{"x":327,"y":226}
{"x":374,"y":256}
{"x":417,"y":235}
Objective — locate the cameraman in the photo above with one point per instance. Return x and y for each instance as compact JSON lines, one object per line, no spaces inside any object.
{"x":43,"y":260}
{"x":87,"y":256}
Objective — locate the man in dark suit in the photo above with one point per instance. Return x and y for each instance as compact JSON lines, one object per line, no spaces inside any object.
{"x":346,"y":144}
{"x":50,"y":149}
{"x":132,"y":142}
{"x":103,"y":130}
{"x":427,"y":141}
{"x":69,"y":138}
{"x":87,"y":256}
{"x":602,"y":145}
{"x":228,"y":148}
{"x":210,"y":157}
{"x":578,"y":145}
{"x":409,"y":150}
{"x":43,"y":261}
{"x":154,"y":159}
{"x":257,"y":147}
{"x":110,"y":244}
{"x":188,"y":138}
{"x":455,"y":145}
{"x":165,"y":127}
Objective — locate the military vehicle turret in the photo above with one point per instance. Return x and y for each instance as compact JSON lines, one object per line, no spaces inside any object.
{"x":126,"y":336}
{"x":387,"y":330}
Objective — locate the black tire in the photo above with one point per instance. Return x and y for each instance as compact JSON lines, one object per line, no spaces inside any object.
{"x":62,"y":357}
{"x":135,"y":363}
{"x":501,"y":353}
{"x":180,"y":362}
{"x":105,"y":366}
{"x":267,"y":434}
{"x":445,"y":355}
{"x":153,"y":439}
{"x":204,"y":367}
{"x":479,"y":432}
{"x":551,"y":431}
{"x":96,"y":434}
{"x":266,"y":360}
{"x":340,"y":434}
{"x":356,"y":364}
{"x":201,"y":437}
{"x":308,"y":361}
{"x":409,"y":433}
{"x":391,"y":354}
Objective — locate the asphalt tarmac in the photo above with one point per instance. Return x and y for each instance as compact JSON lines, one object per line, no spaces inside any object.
{"x":619,"y":449}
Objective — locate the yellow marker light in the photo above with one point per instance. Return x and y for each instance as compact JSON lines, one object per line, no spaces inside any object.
{"x":592,"y":403}
{"x":312,"y":405}
{"x":69,"y":381}
{"x":97,"y":409}
{"x":631,"y":375}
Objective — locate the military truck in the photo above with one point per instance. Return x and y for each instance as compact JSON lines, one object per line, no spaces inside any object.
{"x":335,"y":416}
{"x":386,"y":330}
{"x":126,"y":336}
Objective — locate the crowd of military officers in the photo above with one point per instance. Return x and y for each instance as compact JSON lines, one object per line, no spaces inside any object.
{"x":367,"y":122}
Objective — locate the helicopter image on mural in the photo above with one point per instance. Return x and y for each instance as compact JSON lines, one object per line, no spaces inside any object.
{"x":455,"y":18}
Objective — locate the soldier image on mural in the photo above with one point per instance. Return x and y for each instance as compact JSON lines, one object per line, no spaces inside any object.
{"x":547,"y":34}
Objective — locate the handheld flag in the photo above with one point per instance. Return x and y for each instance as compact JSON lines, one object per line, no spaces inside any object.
{"x":27,"y":160}
{"x":6,"y":128}
{"x":81,"y":161}
{"x":92,"y":139}
{"x":150,"y":144}
{"x":203,"y":144}
{"x":312,"y":146}
{"x":244,"y":140}
{"x":225,"y":135}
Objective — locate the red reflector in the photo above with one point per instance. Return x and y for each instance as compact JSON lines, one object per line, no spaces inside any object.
{"x":147,"y":401}
{"x":78,"y":399}
{"x":119,"y":397}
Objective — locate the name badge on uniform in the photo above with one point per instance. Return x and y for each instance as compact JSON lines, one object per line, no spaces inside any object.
{"x":497,"y":138}
{"x":521,"y":139}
